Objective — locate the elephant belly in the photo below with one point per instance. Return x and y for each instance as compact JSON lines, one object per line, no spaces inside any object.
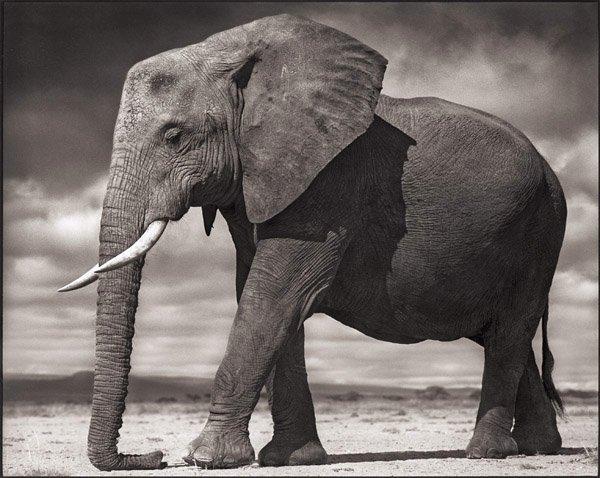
{"x":402,"y":297}
{"x":423,"y":286}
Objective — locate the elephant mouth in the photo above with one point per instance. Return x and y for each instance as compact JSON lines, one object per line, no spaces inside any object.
{"x":146,"y":241}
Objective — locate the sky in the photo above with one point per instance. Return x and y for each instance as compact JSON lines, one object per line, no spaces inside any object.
{"x":534,"y":65}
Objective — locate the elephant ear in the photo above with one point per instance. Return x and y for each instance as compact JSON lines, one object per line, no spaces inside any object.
{"x":308,"y":91}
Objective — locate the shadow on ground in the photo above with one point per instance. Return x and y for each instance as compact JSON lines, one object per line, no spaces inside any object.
{"x":403,"y":456}
{"x":417,"y":455}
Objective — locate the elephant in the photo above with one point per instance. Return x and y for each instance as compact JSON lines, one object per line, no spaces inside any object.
{"x":406,"y":219}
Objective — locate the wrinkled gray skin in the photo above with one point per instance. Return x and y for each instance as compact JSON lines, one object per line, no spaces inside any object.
{"x":406,"y":219}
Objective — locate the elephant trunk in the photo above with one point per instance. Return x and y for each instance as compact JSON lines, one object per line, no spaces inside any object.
{"x":122,"y":224}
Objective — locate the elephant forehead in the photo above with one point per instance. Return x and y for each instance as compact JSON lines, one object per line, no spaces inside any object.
{"x":160,"y":72}
{"x":158,"y":88}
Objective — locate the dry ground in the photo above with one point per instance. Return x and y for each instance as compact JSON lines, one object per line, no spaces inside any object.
{"x":364,"y":436}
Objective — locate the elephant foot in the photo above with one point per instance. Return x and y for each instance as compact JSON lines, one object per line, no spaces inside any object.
{"x":537,"y":439}
{"x":492,"y":438}
{"x":219,"y":450}
{"x":284,"y":452}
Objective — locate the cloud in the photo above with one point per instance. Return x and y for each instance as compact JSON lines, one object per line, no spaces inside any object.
{"x":534,"y":66}
{"x":580,"y":246}
{"x":570,"y":288}
{"x":58,"y":126}
{"x":185,"y":312}
{"x":537,"y":70}
{"x":188,"y":292}
{"x":578,"y":167}
{"x":344,"y":354}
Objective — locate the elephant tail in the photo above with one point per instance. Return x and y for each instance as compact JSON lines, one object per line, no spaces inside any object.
{"x":547,"y":366}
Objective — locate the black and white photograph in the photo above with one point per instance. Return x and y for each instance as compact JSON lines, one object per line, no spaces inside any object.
{"x":300,"y":238}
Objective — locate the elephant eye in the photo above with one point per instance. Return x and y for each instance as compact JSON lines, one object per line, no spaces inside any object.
{"x":172,"y":135}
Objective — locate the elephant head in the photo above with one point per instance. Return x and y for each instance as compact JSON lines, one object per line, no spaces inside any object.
{"x":251,"y":113}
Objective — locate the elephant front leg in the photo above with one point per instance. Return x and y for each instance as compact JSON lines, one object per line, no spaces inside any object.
{"x":286,"y":277}
{"x":295,"y":440}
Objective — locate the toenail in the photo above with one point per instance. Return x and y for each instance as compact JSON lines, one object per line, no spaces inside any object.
{"x":493,"y":453}
{"x":476,"y":453}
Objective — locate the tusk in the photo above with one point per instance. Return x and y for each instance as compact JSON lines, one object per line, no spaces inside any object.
{"x":141,"y":246}
{"x":86,"y":279}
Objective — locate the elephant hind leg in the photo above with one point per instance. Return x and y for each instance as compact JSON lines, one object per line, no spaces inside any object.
{"x":506,"y":353}
{"x":295,"y":440}
{"x":535,"y":429}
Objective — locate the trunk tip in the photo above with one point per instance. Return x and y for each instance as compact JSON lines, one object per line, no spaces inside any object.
{"x":113,"y":461}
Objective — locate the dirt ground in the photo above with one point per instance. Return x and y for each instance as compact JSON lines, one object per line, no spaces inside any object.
{"x":370,"y":436}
